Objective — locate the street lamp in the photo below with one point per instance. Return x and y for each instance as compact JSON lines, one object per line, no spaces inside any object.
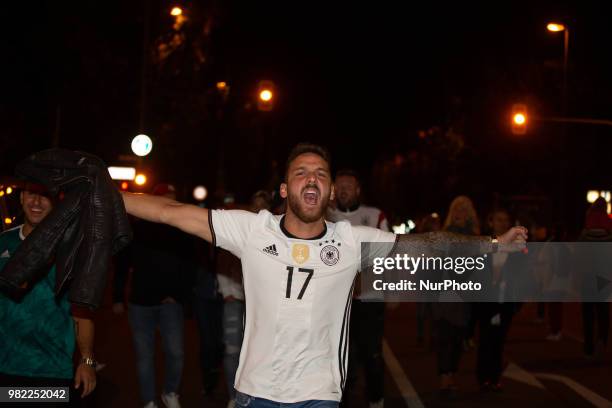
{"x":223,"y":89}
{"x":142,"y":145}
{"x":179,"y":17}
{"x":558,"y":27}
{"x":265,"y":95}
{"x":519,"y":119}
{"x":555,"y":28}
{"x":140,"y":179}
{"x":200,"y":193}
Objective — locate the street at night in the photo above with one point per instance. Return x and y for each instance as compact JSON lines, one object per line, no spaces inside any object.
{"x":538,"y":372}
{"x":224,"y":204}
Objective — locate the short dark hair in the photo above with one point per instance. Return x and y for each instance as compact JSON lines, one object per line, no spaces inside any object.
{"x":303,"y":148}
{"x":348,"y":173}
{"x":264,"y":195}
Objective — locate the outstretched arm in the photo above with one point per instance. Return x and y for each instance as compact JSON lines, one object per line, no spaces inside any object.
{"x":186,"y":217}
{"x":441,"y":241}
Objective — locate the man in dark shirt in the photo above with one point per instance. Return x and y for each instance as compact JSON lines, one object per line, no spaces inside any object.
{"x":159,"y":259}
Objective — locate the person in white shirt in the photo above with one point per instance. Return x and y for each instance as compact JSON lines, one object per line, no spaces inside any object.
{"x":298,"y":275}
{"x":367,"y":318}
{"x":229,"y":277}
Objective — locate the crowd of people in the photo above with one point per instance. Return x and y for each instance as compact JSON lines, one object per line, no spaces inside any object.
{"x":170,"y":270}
{"x":454,"y":324}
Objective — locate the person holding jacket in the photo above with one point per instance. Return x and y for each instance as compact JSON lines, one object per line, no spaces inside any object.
{"x":39,"y":331}
{"x":87,"y":226}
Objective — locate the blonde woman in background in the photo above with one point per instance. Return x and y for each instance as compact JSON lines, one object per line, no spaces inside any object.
{"x":451,"y":320}
{"x":462,"y":217}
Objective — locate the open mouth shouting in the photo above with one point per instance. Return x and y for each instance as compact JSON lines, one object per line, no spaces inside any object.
{"x":311,"y":195}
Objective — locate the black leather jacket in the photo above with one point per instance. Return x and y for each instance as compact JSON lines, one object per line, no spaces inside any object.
{"x":87,"y":225}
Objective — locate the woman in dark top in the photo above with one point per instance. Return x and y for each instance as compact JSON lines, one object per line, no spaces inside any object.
{"x":451,"y":319}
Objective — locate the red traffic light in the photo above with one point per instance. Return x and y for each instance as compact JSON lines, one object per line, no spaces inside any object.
{"x":266,"y":95}
{"x":519,"y":119}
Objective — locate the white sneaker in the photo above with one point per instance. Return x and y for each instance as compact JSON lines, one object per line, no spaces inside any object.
{"x":151,"y":404}
{"x":378,"y":404}
{"x":171,"y":400}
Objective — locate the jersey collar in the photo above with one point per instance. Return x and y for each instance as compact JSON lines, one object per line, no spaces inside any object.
{"x":290,"y":235}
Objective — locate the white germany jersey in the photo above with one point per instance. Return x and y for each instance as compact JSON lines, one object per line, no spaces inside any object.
{"x":298,"y":294}
{"x":362,"y":215}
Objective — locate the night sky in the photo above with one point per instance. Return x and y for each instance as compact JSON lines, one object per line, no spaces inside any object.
{"x":362,"y":79}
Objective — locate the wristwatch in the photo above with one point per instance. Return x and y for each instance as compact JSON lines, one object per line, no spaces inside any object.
{"x":89,"y":361}
{"x":494,"y":243}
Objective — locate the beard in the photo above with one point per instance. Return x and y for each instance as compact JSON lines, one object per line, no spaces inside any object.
{"x":346,"y":201}
{"x":298,"y":208}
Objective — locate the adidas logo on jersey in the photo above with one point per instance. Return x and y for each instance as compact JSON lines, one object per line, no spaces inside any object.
{"x":5,"y":254}
{"x":271,"y":250}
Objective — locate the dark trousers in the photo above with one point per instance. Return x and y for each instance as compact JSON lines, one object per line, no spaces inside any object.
{"x":209,"y":316}
{"x":555,"y":316}
{"x":589,"y":310}
{"x":423,"y":314}
{"x":7,"y":380}
{"x":470,"y":330}
{"x":144,"y":321}
{"x":489,"y":365}
{"x":449,"y":345}
{"x":366,"y":333}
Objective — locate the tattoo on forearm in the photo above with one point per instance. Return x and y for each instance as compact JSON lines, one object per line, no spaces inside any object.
{"x":442,"y":242}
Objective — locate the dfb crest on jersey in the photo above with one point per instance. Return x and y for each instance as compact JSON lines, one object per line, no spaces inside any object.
{"x":330,"y":255}
{"x":300,"y":253}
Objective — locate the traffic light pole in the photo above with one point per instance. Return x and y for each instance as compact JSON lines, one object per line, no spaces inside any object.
{"x":563,"y":142}
{"x":588,"y":121}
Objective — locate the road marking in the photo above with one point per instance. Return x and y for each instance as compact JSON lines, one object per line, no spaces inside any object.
{"x":591,"y":396}
{"x":518,"y":374}
{"x":401,"y":379}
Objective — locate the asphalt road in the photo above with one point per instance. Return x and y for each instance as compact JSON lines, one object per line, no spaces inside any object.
{"x":538,"y":372}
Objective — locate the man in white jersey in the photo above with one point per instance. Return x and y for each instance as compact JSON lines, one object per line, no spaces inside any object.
{"x":349,"y":206}
{"x":298,"y":277}
{"x":367,"y":318}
